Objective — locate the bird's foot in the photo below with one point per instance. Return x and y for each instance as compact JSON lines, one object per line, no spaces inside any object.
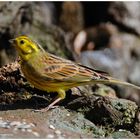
{"x":52,"y":105}
{"x":45,"y":109}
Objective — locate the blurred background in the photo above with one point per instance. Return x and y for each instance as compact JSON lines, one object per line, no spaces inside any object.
{"x":101,"y":35}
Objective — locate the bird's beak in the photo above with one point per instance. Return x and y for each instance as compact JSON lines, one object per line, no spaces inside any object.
{"x":12,"y":41}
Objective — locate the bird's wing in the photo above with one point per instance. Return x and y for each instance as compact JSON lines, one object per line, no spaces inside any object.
{"x":64,"y":70}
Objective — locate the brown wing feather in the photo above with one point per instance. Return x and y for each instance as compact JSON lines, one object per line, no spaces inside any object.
{"x":95,"y":70}
{"x":64,"y":70}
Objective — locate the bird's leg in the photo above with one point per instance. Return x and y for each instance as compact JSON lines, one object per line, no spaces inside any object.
{"x":61,"y":95}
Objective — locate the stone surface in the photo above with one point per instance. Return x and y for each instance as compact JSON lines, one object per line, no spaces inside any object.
{"x":125,"y":14}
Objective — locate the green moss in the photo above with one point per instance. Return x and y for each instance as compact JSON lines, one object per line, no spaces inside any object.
{"x":122,"y":134}
{"x":128,"y":108}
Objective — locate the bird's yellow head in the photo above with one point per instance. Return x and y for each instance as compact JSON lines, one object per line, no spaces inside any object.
{"x":25,"y":47}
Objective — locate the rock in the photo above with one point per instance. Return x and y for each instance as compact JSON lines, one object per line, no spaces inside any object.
{"x":94,"y":38}
{"x":126,"y":15}
{"x":72,"y":17}
{"x":107,"y":111}
{"x":122,"y":134}
{"x":75,"y":123}
{"x":134,"y":76}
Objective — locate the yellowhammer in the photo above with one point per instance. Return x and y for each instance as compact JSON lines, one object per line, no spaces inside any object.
{"x":54,"y":74}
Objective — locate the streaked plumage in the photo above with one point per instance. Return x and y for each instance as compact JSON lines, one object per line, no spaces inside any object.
{"x":54,"y":74}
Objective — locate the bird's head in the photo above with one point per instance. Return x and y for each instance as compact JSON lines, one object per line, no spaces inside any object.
{"x":25,"y":47}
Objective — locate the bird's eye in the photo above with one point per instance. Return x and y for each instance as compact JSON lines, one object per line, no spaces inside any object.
{"x":21,"y":42}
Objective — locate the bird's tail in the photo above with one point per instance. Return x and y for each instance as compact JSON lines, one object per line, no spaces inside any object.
{"x":116,"y":81}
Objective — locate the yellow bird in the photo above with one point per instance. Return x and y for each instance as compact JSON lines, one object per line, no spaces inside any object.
{"x":50,"y":73}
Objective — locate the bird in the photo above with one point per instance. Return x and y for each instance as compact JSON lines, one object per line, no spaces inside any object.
{"x":52,"y":73}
